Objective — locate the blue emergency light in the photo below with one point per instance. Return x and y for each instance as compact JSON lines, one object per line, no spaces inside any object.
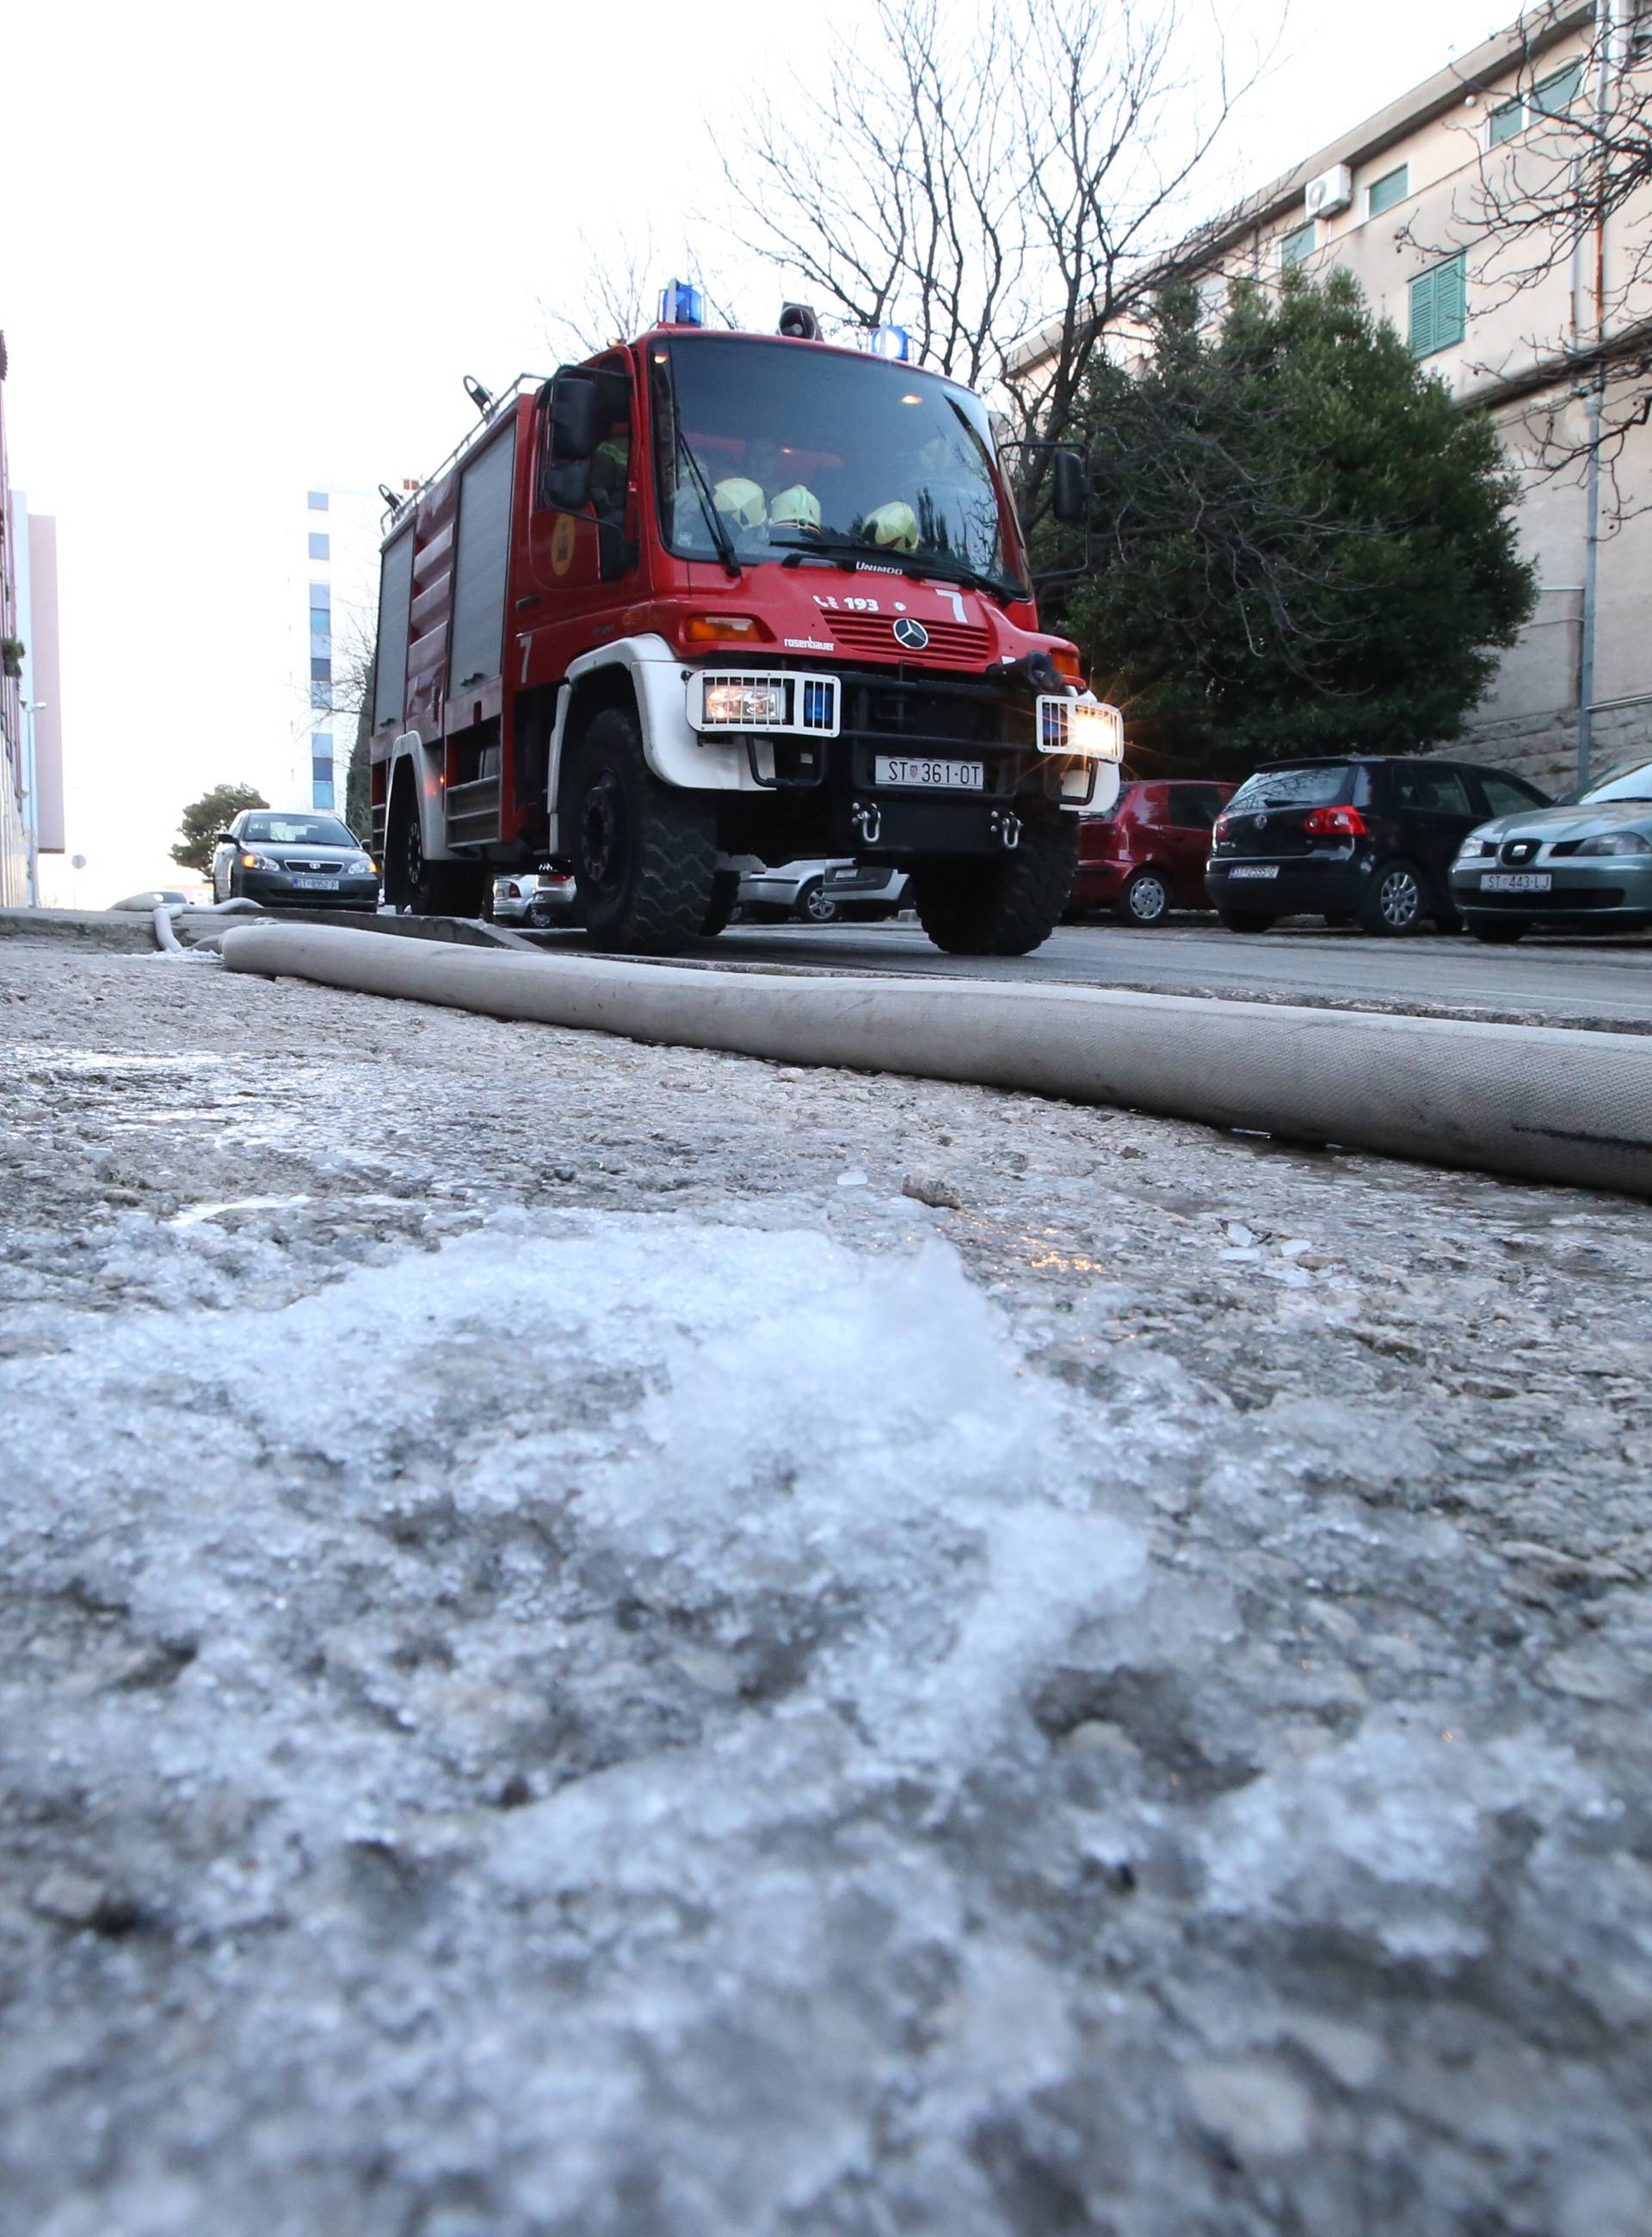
{"x":891,"y":342}
{"x":680,"y":304}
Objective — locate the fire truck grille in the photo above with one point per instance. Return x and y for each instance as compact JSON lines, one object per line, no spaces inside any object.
{"x":936,"y":718}
{"x":951,"y":645}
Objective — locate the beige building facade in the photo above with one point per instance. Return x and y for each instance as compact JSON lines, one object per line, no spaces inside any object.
{"x":1519,"y":323}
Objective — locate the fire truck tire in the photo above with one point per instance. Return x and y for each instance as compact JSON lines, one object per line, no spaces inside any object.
{"x":725,"y":892}
{"x":423,"y":888}
{"x":1005,"y":904}
{"x":644,"y":853}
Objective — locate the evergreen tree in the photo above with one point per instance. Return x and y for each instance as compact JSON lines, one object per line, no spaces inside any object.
{"x":204,"y":818}
{"x":1301,"y":545}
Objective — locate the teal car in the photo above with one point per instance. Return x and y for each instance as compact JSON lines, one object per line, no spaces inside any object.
{"x":1583,"y":865}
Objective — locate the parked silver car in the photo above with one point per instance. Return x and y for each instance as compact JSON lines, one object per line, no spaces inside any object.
{"x":822,"y":892}
{"x":539,"y":898}
{"x":1583,"y":865}
{"x":301,"y":860}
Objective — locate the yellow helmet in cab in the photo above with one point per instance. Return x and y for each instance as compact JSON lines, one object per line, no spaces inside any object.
{"x":895,"y":526}
{"x":740,"y":500}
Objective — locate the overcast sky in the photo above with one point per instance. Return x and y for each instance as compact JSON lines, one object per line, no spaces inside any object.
{"x":243,"y":256}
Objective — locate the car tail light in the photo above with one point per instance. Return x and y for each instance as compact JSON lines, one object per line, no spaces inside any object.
{"x":1218,"y":829}
{"x":1335,"y":822}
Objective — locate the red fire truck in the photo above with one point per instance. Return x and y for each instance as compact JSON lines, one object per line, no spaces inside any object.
{"x":714,"y":595}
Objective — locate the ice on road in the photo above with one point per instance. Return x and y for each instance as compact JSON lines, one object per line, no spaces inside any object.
{"x":561,"y":1672}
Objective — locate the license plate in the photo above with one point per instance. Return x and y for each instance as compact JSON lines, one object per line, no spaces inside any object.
{"x":1254,"y":870}
{"x":1516,"y":882}
{"x":316,"y":885}
{"x":931,"y":776}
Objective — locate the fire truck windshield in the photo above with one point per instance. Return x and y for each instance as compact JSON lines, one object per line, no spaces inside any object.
{"x":804,"y":450}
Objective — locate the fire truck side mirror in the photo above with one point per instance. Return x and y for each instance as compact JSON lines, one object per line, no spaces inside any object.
{"x":576,"y":428}
{"x":1069,"y":495}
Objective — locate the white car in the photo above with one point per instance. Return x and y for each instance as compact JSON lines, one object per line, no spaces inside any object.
{"x":533,"y":897}
{"x":822,"y":892}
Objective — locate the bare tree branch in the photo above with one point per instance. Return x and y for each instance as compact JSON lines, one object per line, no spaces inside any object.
{"x":976,"y":178}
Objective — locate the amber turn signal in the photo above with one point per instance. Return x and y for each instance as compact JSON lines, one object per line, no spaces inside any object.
{"x":720,"y":628}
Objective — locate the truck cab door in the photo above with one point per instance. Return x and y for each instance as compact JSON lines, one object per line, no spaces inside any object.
{"x":582,"y":556}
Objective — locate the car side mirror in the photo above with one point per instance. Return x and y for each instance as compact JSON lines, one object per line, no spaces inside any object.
{"x":1069,"y":490}
{"x":576,"y":428}
{"x":566,"y":485}
{"x":226,"y":839}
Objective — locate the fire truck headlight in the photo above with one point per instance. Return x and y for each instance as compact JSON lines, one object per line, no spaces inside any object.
{"x":1096,"y":729}
{"x":743,"y":706}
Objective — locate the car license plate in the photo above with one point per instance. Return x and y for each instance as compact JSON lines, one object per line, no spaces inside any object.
{"x":931,"y":776}
{"x":1254,"y":870}
{"x":316,"y":885}
{"x":1516,"y":882}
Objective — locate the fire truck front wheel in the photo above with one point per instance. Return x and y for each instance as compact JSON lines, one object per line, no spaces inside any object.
{"x":1004,"y":904}
{"x":644,"y":853}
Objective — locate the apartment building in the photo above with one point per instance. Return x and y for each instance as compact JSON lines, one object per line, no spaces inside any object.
{"x":1521,"y":327}
{"x":340,"y":579}
{"x":31,"y":761}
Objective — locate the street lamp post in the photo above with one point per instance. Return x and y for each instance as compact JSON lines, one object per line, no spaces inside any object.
{"x":31,"y":708}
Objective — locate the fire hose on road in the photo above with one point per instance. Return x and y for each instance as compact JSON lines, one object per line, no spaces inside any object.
{"x":1541,"y":1103}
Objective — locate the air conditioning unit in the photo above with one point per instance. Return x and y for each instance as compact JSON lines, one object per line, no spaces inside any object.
{"x":1331,"y":192}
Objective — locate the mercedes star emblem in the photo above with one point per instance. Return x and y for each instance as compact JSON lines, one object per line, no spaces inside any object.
{"x":913,"y":635}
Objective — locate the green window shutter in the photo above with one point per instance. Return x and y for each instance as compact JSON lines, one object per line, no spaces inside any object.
{"x":1451,"y":303}
{"x":1392,"y":188}
{"x":1423,"y":314}
{"x":1438,"y":307}
{"x":1295,"y":246}
{"x":1506,"y":121}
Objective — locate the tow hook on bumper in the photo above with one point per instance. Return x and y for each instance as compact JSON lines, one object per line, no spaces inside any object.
{"x":1006,"y":827}
{"x":868,"y":820}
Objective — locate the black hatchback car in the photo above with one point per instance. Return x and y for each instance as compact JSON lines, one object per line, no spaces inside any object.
{"x":1355,"y":838}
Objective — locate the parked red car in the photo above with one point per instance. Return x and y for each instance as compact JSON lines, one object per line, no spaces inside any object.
{"x":1146,"y":855}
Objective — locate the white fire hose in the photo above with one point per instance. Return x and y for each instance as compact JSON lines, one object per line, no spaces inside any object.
{"x":1543,"y":1103}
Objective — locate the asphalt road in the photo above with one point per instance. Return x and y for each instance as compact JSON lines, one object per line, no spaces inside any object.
{"x":1563,"y":982}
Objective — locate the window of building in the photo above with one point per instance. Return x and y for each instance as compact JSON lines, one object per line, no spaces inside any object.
{"x":321,"y":745}
{"x":1556,"y":93}
{"x":1295,"y":246}
{"x":322,"y":792}
{"x":321,"y":696}
{"x":1551,"y":97}
{"x":1392,"y":188}
{"x":320,"y":623}
{"x":1506,"y":121}
{"x":321,"y":645}
{"x":318,"y":548}
{"x":322,"y":595}
{"x":1440,"y":307}
{"x":321,"y":671}
{"x":318,"y":500}
{"x":322,"y":771}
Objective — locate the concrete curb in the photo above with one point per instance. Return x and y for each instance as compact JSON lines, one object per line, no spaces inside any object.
{"x":1542,"y":1103}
